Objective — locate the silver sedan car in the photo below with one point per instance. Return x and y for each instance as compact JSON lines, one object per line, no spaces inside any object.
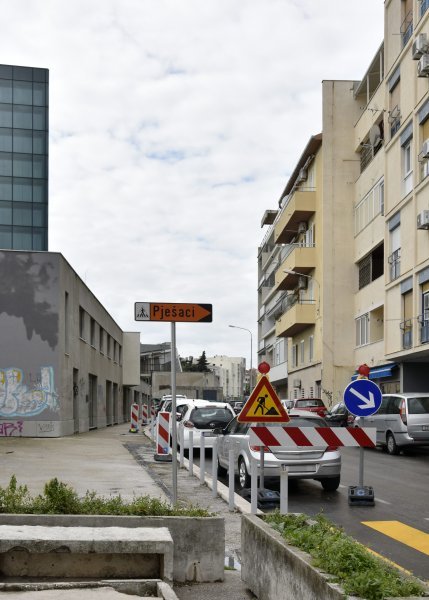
{"x":320,"y":463}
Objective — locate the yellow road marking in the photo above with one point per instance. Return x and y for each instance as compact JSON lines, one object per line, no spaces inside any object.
{"x":414,"y":538}
{"x":388,"y":561}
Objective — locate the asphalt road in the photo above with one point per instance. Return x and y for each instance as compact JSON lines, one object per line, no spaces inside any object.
{"x":401,"y":490}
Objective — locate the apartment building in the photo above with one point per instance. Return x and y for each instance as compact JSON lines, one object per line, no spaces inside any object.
{"x":356,"y":289}
{"x":231,"y":371}
{"x":24,"y":93}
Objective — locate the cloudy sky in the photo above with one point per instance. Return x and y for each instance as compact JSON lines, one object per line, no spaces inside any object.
{"x":174,"y":124}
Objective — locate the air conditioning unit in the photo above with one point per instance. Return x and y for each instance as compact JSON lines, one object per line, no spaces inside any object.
{"x":297,"y":383}
{"x":302,"y":176}
{"x":302,"y":283}
{"x":420,"y":46}
{"x":423,"y":220}
{"x":425,"y":149}
{"x":423,"y":66}
{"x":425,"y":172}
{"x":302,"y":227}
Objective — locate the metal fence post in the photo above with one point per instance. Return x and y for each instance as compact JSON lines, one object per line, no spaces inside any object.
{"x":214,"y":468}
{"x":191,"y":453}
{"x":202,"y":457}
{"x":253,"y":486}
{"x":231,"y":479}
{"x":284,"y":489}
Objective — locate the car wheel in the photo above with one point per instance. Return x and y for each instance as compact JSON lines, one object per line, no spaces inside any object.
{"x":220,"y":470}
{"x":391,"y":445}
{"x":243,"y":475}
{"x":330,"y":485}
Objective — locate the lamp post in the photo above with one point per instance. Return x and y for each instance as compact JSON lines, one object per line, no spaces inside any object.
{"x":251,"y":352}
{"x":291,"y":272}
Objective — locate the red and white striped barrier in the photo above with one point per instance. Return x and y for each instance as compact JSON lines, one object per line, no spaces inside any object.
{"x":274,"y":437}
{"x":152,"y":412}
{"x":163,"y":437}
{"x":145,"y":413}
{"x":134,"y":426}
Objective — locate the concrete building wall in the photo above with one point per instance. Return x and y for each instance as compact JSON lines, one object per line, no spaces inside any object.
{"x":231,"y":371}
{"x":61,"y":353}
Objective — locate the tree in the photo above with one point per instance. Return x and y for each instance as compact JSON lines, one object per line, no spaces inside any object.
{"x":202,"y":364}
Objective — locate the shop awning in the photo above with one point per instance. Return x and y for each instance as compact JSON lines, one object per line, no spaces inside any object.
{"x":379,"y":372}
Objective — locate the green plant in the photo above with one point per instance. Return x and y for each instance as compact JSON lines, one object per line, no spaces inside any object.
{"x":61,"y":498}
{"x":351,"y":564}
{"x":14,"y":498}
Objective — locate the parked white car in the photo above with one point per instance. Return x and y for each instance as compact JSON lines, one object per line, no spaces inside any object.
{"x":201,"y":417}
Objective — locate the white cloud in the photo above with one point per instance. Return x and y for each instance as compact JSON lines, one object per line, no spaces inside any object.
{"x":174,"y":125}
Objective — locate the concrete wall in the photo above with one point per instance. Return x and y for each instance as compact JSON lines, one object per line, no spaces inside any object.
{"x":199,"y":543}
{"x":54,"y":378}
{"x":192,"y":385}
{"x":275,"y":571}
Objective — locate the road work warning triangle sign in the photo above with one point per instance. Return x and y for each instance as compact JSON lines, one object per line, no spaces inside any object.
{"x":263,"y":405}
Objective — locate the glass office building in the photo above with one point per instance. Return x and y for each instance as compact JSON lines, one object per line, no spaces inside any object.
{"x":23,"y":158}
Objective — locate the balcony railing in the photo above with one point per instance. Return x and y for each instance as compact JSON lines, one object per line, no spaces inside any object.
{"x":407,"y":27}
{"x":394,"y":261}
{"x":423,"y":7}
{"x":424,"y":332}
{"x":407,"y":333}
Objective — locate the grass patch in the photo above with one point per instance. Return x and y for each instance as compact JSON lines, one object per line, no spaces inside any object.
{"x":59,"y":498}
{"x":359,"y":572}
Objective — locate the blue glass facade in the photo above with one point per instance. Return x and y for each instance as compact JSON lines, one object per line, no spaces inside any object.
{"x":24,"y":158}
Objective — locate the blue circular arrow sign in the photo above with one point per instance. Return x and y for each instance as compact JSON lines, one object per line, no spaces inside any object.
{"x":362,"y":397}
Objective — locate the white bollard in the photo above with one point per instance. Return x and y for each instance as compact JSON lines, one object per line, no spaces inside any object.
{"x":181,"y":443}
{"x":202,"y":458}
{"x":284,"y":491}
{"x":231,"y":480}
{"x":191,"y":453}
{"x":253,"y":486}
{"x":214,"y":468}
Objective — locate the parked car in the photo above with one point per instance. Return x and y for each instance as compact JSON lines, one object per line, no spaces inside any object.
{"x":339,"y":416}
{"x":402,"y":421}
{"x":167,"y":401}
{"x":288,"y":404}
{"x":320,"y":463}
{"x":237,"y":406}
{"x":202,"y":416}
{"x":312,"y":404}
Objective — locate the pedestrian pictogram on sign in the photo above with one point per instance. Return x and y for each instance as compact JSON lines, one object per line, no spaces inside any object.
{"x":263,"y":405}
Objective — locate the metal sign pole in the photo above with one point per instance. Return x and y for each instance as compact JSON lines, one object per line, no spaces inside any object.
{"x":361,"y":460}
{"x":173,"y":411}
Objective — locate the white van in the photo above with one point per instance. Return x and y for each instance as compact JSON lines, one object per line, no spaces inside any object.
{"x":402,"y":421}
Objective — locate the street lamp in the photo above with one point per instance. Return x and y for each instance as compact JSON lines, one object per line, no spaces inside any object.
{"x":251,"y":352}
{"x":291,"y":272}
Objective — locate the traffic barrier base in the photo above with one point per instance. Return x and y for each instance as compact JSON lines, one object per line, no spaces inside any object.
{"x":361,"y":495}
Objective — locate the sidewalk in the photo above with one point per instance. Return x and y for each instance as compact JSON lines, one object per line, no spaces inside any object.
{"x":114,"y":461}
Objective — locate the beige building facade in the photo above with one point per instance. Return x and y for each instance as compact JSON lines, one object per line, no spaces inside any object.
{"x":349,"y":275}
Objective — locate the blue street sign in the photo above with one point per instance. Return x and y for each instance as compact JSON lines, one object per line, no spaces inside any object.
{"x":362,"y":397}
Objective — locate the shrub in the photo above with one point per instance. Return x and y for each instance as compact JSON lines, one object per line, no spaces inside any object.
{"x":358,"y":571}
{"x":60,"y":498}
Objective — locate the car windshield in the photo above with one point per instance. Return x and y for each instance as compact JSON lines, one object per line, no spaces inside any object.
{"x":308,"y":403}
{"x":210,"y":417}
{"x":418,"y":406}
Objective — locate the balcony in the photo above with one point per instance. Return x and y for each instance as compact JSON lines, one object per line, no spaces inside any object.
{"x":407,"y":28}
{"x":423,"y":7}
{"x":299,"y":208}
{"x":424,"y":332}
{"x":298,"y":316}
{"x":407,"y":333}
{"x":301,"y":259}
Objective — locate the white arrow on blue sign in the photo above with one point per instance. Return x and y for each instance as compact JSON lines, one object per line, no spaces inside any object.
{"x":362,"y":397}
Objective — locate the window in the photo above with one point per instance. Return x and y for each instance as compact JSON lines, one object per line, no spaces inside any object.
{"x":407,"y":323}
{"x":362,"y":330}
{"x":424,"y":319}
{"x":92,"y":331}
{"x":81,"y":323}
{"x":394,"y":259}
{"x":109,"y":343}
{"x":371,"y":267}
{"x":294,"y":355}
{"x":394,"y":113}
{"x":302,"y":351}
{"x":311,"y":349}
{"x":407,"y":165}
{"x":407,"y":21}
{"x":66,"y":323}
{"x":369,"y":207}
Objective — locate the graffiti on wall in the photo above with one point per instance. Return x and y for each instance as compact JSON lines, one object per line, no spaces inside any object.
{"x":19,"y":400}
{"x":8,"y":429}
